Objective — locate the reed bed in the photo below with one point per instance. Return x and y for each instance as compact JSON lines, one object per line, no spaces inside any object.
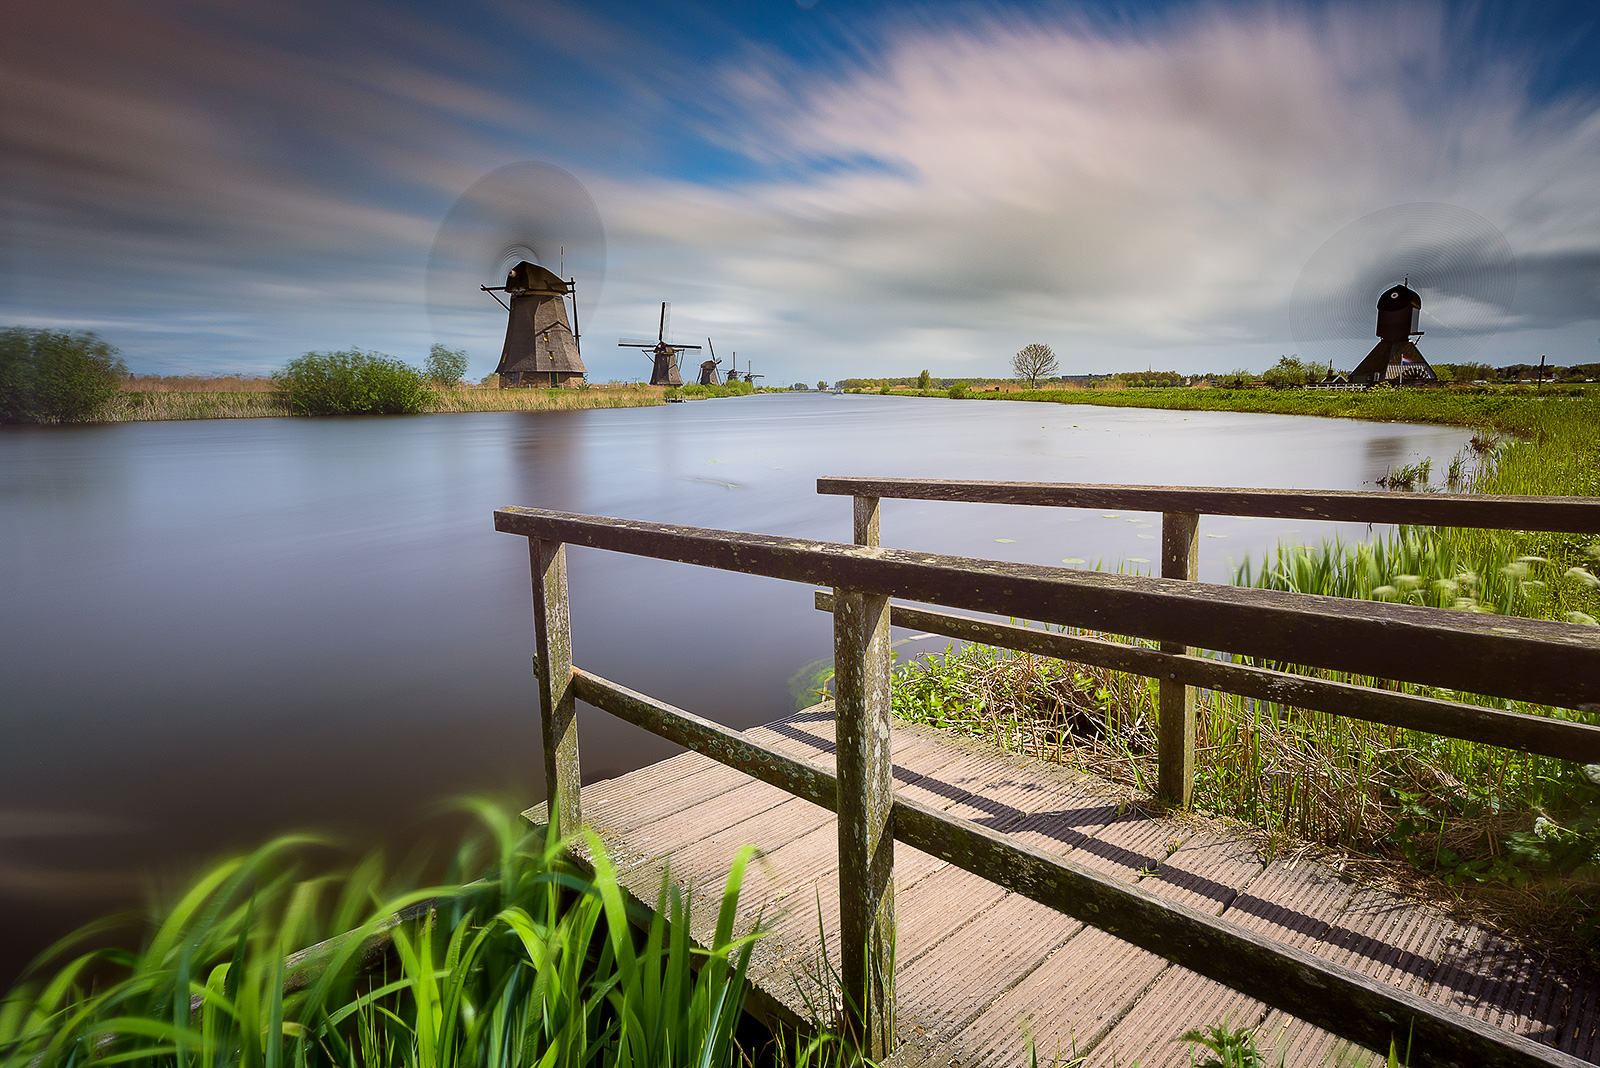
{"x":545,"y":400}
{"x":1522,"y":828}
{"x":150,"y":405}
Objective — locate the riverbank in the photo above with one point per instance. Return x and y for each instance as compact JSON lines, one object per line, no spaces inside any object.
{"x":260,"y":399}
{"x":1521,"y":833}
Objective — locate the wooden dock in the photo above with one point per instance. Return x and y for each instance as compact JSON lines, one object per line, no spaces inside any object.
{"x":981,"y":971}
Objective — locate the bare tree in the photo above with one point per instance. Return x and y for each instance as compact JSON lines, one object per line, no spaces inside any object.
{"x":1034,"y":362}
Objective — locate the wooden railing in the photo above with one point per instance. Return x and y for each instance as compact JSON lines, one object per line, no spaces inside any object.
{"x":1533,"y":660}
{"x":1178,"y":671}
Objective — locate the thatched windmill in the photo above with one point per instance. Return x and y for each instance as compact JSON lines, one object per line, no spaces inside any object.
{"x":541,"y":348}
{"x":664,"y":370}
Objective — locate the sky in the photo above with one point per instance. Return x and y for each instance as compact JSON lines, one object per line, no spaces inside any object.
{"x":825,"y":189}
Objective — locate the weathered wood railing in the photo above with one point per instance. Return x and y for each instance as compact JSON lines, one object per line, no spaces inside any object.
{"x":1552,"y":663}
{"x":1179,"y":672}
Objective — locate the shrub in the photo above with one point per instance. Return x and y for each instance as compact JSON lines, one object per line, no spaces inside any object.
{"x":957,"y":391}
{"x":352,"y":383}
{"x":51,"y":377}
{"x":447,"y":367}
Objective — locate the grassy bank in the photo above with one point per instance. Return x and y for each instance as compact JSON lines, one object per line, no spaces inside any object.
{"x":1523,"y":831}
{"x":235,"y":397}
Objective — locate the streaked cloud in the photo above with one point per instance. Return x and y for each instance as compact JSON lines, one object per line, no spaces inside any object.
{"x":224,"y":188}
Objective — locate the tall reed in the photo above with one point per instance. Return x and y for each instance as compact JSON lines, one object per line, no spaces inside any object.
{"x":515,"y":959}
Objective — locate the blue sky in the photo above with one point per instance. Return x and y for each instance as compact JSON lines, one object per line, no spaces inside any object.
{"x":827,"y":189}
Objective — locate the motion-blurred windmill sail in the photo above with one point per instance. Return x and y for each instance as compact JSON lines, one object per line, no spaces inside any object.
{"x":504,"y":226}
{"x":664,"y":368}
{"x":1457,"y":279}
{"x":541,"y":347}
{"x":708,"y":368}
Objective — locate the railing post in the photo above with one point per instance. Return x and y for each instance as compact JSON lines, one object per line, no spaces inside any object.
{"x":1180,"y":559}
{"x":552,"y":668}
{"x":866,"y":520}
{"x":865,"y":804}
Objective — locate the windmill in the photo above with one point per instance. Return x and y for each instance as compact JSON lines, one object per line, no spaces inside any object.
{"x":512,"y":224}
{"x":708,"y":369}
{"x":733,"y":370}
{"x":1447,"y":259}
{"x":664,"y":372}
{"x":541,"y":346}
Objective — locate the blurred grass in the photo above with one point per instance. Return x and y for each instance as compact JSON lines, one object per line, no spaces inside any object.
{"x":516,"y":958}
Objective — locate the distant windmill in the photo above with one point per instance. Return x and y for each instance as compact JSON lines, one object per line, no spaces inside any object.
{"x":1396,"y":358}
{"x":1456,"y":258}
{"x":541,"y":347}
{"x":733,"y":370}
{"x":708,"y":369}
{"x":664,"y":371}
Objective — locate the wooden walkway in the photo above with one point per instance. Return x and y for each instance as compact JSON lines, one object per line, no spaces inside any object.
{"x":980,"y":970}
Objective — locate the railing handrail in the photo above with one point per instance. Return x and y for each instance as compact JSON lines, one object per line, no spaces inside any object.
{"x":1567,"y":515}
{"x":1538,"y":660}
{"x":1522,"y":659}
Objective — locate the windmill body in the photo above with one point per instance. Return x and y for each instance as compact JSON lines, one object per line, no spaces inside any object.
{"x":1395,"y":358}
{"x":664,"y":355}
{"x":541,"y":348}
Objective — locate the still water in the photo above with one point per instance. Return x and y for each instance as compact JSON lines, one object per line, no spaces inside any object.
{"x":213,"y":631}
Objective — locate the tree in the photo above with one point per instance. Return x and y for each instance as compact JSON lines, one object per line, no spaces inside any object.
{"x":923,"y":379}
{"x":352,"y":383}
{"x":446,"y":367}
{"x":1034,"y":362}
{"x":1288,"y":372}
{"x":51,"y":377}
{"x":822,"y":385}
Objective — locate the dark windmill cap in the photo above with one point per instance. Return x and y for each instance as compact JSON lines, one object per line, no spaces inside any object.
{"x":528,"y":277}
{"x":1396,"y":297}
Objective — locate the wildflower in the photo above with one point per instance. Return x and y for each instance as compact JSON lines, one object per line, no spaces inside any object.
{"x":1385,"y":593}
{"x":1532,"y":560}
{"x":1446,"y":586}
{"x":1515,"y":571}
{"x":1469,"y":579}
{"x":1408,"y":582}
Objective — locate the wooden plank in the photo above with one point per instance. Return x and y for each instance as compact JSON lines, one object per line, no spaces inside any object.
{"x":756,"y":758}
{"x":1573,"y":515}
{"x":1178,"y":1001}
{"x":552,"y":672}
{"x":1180,"y":559}
{"x":965,"y":973}
{"x":1288,"y":978}
{"x":1070,"y":1002}
{"x":1535,"y":660}
{"x":1206,"y":872}
{"x":1453,"y":719}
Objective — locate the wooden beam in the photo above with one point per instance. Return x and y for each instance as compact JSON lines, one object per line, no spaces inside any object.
{"x":1328,"y":995}
{"x":1575,"y":515}
{"x":1490,"y":726}
{"x":734,"y":748}
{"x":552,"y":671}
{"x":866,"y":829}
{"x":1180,"y":559}
{"x":1526,"y":659}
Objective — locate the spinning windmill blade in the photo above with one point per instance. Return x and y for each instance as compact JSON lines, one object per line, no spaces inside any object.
{"x":528,"y":211}
{"x":1458,"y":265}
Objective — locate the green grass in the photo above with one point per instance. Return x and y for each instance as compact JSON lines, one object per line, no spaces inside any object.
{"x":515,"y":958}
{"x":1525,"y":830}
